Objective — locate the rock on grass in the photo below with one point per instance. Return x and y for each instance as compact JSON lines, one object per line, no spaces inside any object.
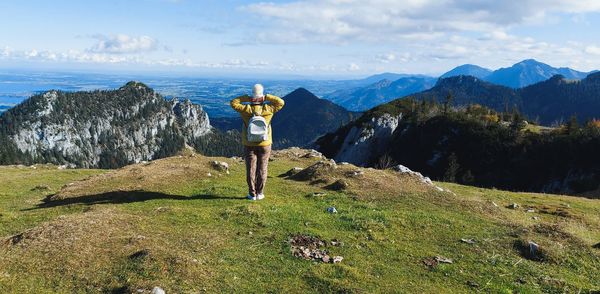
{"x":338,"y":185}
{"x":315,"y":172}
{"x":220,"y":166}
{"x":309,"y":248}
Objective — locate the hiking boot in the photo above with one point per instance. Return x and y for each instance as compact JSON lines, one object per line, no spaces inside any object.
{"x":260,"y":196}
{"x":250,"y":197}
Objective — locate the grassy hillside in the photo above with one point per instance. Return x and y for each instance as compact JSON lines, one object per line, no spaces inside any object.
{"x":180,"y":224}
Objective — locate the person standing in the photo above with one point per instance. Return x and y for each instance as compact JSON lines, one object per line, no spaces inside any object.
{"x":257,"y":136}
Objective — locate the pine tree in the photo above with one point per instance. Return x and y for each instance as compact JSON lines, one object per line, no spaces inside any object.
{"x":572,"y":125}
{"x":448,"y":102}
{"x":452,"y":170}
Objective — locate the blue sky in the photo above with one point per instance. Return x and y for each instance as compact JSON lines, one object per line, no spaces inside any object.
{"x":329,"y":38}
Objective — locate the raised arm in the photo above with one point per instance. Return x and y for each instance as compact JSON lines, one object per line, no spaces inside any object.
{"x":276,"y":102}
{"x":236,"y":103}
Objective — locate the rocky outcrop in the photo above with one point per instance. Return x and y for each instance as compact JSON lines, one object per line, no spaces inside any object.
{"x":103,"y":128}
{"x":364,"y":141}
{"x":192,"y":120}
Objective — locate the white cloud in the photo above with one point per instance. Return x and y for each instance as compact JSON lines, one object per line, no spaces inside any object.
{"x":385,"y":58}
{"x":75,"y":56}
{"x":5,"y":52}
{"x":343,"y":21}
{"x":592,"y":50}
{"x":353,"y":67}
{"x":123,"y":44}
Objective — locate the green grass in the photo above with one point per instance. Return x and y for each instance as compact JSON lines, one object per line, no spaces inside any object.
{"x":175,"y":227}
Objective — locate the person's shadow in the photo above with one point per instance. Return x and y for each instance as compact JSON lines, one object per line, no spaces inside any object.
{"x":121,"y":197}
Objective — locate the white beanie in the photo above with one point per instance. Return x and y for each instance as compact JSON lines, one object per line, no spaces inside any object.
{"x":258,"y":91}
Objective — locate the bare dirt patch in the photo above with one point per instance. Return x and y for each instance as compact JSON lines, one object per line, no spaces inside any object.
{"x":310,"y":248}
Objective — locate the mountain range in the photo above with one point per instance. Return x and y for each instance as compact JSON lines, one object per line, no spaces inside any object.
{"x":472,"y":145}
{"x":363,"y":98}
{"x":528,"y":72}
{"x":552,"y":101}
{"x":303,"y":119}
{"x":519,"y":75}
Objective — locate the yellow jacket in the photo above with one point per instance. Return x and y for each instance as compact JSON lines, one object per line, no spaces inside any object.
{"x":264,"y":110}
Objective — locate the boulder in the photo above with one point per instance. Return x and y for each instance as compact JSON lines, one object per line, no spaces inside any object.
{"x":317,"y":171}
{"x":407,"y":171}
{"x":338,"y":185}
{"x":220,"y":166}
{"x":291,"y":172}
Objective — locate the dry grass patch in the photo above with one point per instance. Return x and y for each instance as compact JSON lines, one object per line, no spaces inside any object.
{"x":551,"y":243}
{"x":179,"y":171}
{"x":106,"y":250}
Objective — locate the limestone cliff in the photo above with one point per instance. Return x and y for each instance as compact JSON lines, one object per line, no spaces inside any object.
{"x":103,"y":128}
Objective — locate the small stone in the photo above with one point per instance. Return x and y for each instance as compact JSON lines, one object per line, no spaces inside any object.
{"x":157,"y":290}
{"x":535,"y":218}
{"x":343,"y":163}
{"x":313,"y":154}
{"x":332,"y":209}
{"x":513,"y":206}
{"x":402,"y":169}
{"x":356,"y":173}
{"x":337,"y":259}
{"x":442,"y":259}
{"x":530,"y":210}
{"x":325,"y":259}
{"x":208,"y":174}
{"x":335,"y":242}
{"x":472,"y":284}
{"x":468,"y":241}
{"x":533,"y":248}
{"x":430,"y":262}
{"x":162,"y":209}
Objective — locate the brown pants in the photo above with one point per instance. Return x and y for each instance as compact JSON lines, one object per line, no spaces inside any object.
{"x":257,"y":161}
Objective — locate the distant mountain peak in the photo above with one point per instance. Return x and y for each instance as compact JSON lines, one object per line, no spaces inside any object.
{"x":135,"y":85}
{"x":529,"y":72}
{"x":301,"y":93}
{"x":468,"y":70}
{"x":530,"y":61}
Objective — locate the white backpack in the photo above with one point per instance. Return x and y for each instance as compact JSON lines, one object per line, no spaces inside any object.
{"x":258,"y":129}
